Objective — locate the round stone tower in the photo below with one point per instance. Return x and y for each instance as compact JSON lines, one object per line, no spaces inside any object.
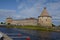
{"x":9,"y":20}
{"x":45,"y":19}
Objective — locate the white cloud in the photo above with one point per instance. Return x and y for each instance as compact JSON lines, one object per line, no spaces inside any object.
{"x":31,"y":11}
{"x":4,"y":13}
{"x":53,"y":6}
{"x":5,"y":10}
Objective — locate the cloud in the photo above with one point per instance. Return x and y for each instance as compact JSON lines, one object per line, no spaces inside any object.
{"x":30,"y":8}
{"x":28,"y":12}
{"x":7,"y":10}
{"x":54,"y":9}
{"x":4,"y":12}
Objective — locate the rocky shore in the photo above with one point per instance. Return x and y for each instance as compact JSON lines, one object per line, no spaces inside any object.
{"x":6,"y":37}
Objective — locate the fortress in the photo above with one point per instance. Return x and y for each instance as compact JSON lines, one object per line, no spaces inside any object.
{"x":44,"y":20}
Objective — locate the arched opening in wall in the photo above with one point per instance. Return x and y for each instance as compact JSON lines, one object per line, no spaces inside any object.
{"x":8,"y":23}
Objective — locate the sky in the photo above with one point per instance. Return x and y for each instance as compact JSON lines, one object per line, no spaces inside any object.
{"x":19,"y":9}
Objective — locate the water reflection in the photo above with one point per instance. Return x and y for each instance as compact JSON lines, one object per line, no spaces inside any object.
{"x":33,"y":34}
{"x":43,"y":35}
{"x":49,"y":35}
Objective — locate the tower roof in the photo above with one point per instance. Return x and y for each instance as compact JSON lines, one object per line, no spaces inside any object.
{"x":44,"y":13}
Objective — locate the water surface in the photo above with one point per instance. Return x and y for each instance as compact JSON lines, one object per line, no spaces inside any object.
{"x":33,"y":34}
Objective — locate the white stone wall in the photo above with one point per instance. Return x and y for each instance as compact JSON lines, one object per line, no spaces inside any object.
{"x":45,"y":21}
{"x":24,"y":22}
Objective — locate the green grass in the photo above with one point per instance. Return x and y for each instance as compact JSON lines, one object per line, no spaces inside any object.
{"x":39,"y":28}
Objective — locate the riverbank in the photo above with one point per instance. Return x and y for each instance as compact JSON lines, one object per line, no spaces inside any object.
{"x":39,"y":28}
{"x":6,"y":37}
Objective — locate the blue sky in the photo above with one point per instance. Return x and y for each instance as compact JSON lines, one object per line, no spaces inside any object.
{"x":19,"y":9}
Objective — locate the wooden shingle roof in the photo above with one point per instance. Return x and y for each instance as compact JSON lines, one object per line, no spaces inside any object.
{"x":44,"y":13}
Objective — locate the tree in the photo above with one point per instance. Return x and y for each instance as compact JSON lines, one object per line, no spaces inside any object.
{"x":2,"y":23}
{"x":53,"y":25}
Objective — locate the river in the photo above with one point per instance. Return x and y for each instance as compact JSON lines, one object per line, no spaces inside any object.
{"x":22,"y":34}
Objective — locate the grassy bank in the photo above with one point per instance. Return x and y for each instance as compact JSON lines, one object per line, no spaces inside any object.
{"x":39,"y":28}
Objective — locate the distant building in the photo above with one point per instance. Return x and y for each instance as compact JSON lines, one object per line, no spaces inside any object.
{"x":44,"y":20}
